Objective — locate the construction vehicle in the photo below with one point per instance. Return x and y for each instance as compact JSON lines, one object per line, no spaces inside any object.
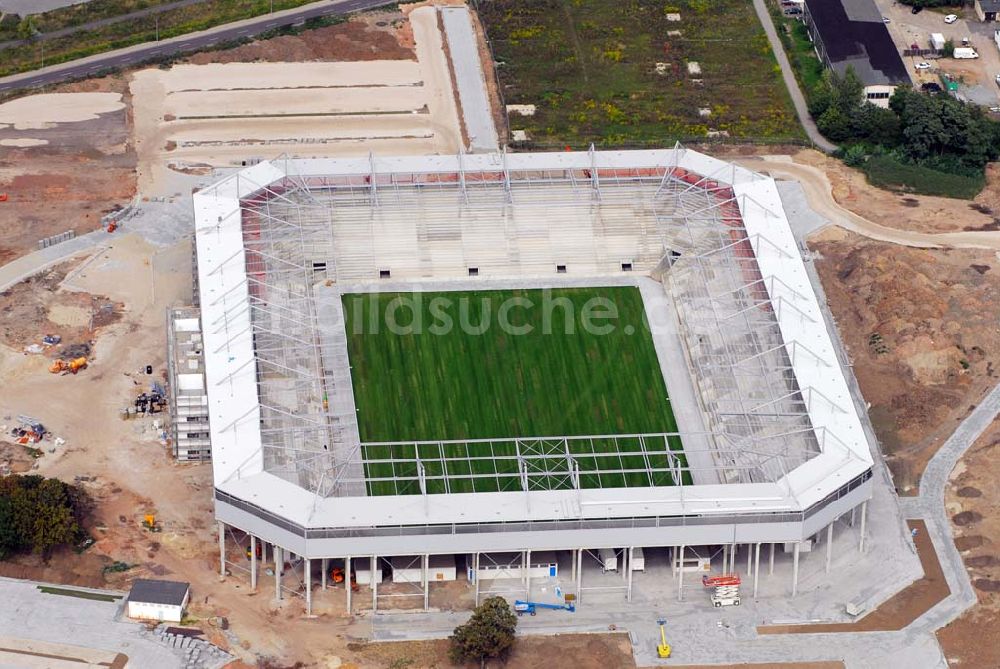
{"x":259,"y":553}
{"x":726,"y":595}
{"x":716,"y":581}
{"x":337,"y":576}
{"x":73,"y":366}
{"x":149,"y":522}
{"x":3,"y":197}
{"x":662,"y":648}
{"x":521,"y":607}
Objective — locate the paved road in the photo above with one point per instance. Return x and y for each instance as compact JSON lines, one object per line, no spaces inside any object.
{"x":819,"y":193}
{"x":157,"y":9}
{"x":788,"y":74}
{"x":190,"y":42}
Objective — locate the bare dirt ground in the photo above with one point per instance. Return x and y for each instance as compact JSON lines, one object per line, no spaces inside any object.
{"x":972,"y":499}
{"x":918,"y":213}
{"x":372,"y":36}
{"x":920,"y":327}
{"x":68,"y":176}
{"x":580,"y":651}
{"x":766,"y":665}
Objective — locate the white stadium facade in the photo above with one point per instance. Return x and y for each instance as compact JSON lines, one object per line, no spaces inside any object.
{"x":774,"y":446}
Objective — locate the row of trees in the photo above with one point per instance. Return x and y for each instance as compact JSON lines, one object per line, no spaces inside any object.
{"x":935,"y":131}
{"x":38,"y":514}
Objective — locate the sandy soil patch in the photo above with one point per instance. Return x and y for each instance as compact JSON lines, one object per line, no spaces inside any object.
{"x":228,"y":114}
{"x":973,"y":498}
{"x":41,"y":111}
{"x":70,"y":315}
{"x":918,"y":213}
{"x":67,"y":175}
{"x":24,"y":142}
{"x":920,"y":327}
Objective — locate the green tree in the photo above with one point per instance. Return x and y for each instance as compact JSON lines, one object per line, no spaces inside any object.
{"x":948,"y":51}
{"x":27,"y":28}
{"x":488,"y":634}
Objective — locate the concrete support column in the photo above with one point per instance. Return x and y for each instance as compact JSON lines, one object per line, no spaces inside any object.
{"x":427,"y":586}
{"x":864,"y":516}
{"x":475,"y":575}
{"x":680,"y":575}
{"x":725,"y":559}
{"x":732,"y":559}
{"x":276,"y":551}
{"x":524,"y":567}
{"x":322,"y":577}
{"x":625,"y":565}
{"x":527,"y":576}
{"x":852,"y":515}
{"x":749,"y":559}
{"x":579,"y":574}
{"x":348,"y":583}
{"x":263,"y":552}
{"x":756,"y":568}
{"x":795,"y":569}
{"x":770,"y":568}
{"x":829,"y":546}
{"x":253,"y":563}
{"x":307,"y":568}
{"x":222,"y":549}
{"x":572,"y":574}
{"x":628,"y":591}
{"x":374,"y":583}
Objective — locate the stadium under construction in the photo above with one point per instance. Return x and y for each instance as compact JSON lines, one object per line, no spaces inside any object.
{"x":767,"y":448}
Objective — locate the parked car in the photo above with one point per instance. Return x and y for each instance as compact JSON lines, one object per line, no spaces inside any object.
{"x":923,"y":66}
{"x":930,"y":87}
{"x":917,"y":10}
{"x":951,"y":18}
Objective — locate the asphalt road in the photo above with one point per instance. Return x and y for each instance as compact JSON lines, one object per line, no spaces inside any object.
{"x":184,"y":43}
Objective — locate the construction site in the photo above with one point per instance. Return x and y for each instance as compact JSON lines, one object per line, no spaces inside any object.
{"x":796,"y":361}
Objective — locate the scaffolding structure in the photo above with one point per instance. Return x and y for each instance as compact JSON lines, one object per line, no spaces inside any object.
{"x":305,"y":236}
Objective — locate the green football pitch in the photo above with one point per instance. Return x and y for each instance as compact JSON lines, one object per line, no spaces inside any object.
{"x":502,"y":364}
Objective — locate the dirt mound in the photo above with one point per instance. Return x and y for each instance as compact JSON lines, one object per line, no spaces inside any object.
{"x":986,"y":585}
{"x":966,"y":518}
{"x":920,"y":327}
{"x":379,"y":37}
{"x":969,"y":491}
{"x":981,"y":561}
{"x":968,"y":543}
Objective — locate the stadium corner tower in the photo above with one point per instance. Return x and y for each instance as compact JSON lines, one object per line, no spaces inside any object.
{"x":768,"y":447}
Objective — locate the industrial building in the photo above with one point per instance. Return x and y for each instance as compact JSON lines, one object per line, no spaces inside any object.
{"x":774,"y":450}
{"x":852,"y":34}
{"x":151,"y":599}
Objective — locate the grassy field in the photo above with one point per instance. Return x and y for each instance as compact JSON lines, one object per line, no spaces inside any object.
{"x":457,"y":385}
{"x":591,"y":68}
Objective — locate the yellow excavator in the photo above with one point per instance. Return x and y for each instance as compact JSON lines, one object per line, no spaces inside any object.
{"x":73,"y":366}
{"x":662,"y":648}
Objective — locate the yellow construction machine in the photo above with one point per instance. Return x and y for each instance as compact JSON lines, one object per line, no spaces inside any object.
{"x":74,"y":366}
{"x":662,"y":648}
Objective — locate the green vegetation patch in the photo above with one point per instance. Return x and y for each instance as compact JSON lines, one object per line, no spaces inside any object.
{"x":885,"y":171}
{"x":504,"y":364}
{"x":611,"y":72}
{"x":81,"y":594}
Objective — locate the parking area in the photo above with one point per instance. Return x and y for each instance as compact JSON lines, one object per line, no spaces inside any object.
{"x":976,"y":77}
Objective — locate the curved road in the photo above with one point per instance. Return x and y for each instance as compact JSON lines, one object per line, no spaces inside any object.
{"x":191,"y":42}
{"x":819,"y":193}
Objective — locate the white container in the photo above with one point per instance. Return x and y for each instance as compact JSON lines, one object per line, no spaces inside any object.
{"x":937,"y":41}
{"x":609,"y":559}
{"x":638,"y":560}
{"x":363,"y":573}
{"x":964,"y":53}
{"x":407,"y":569}
{"x":542,"y":564}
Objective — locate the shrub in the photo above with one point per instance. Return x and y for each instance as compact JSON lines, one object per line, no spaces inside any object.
{"x":488,"y":634}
